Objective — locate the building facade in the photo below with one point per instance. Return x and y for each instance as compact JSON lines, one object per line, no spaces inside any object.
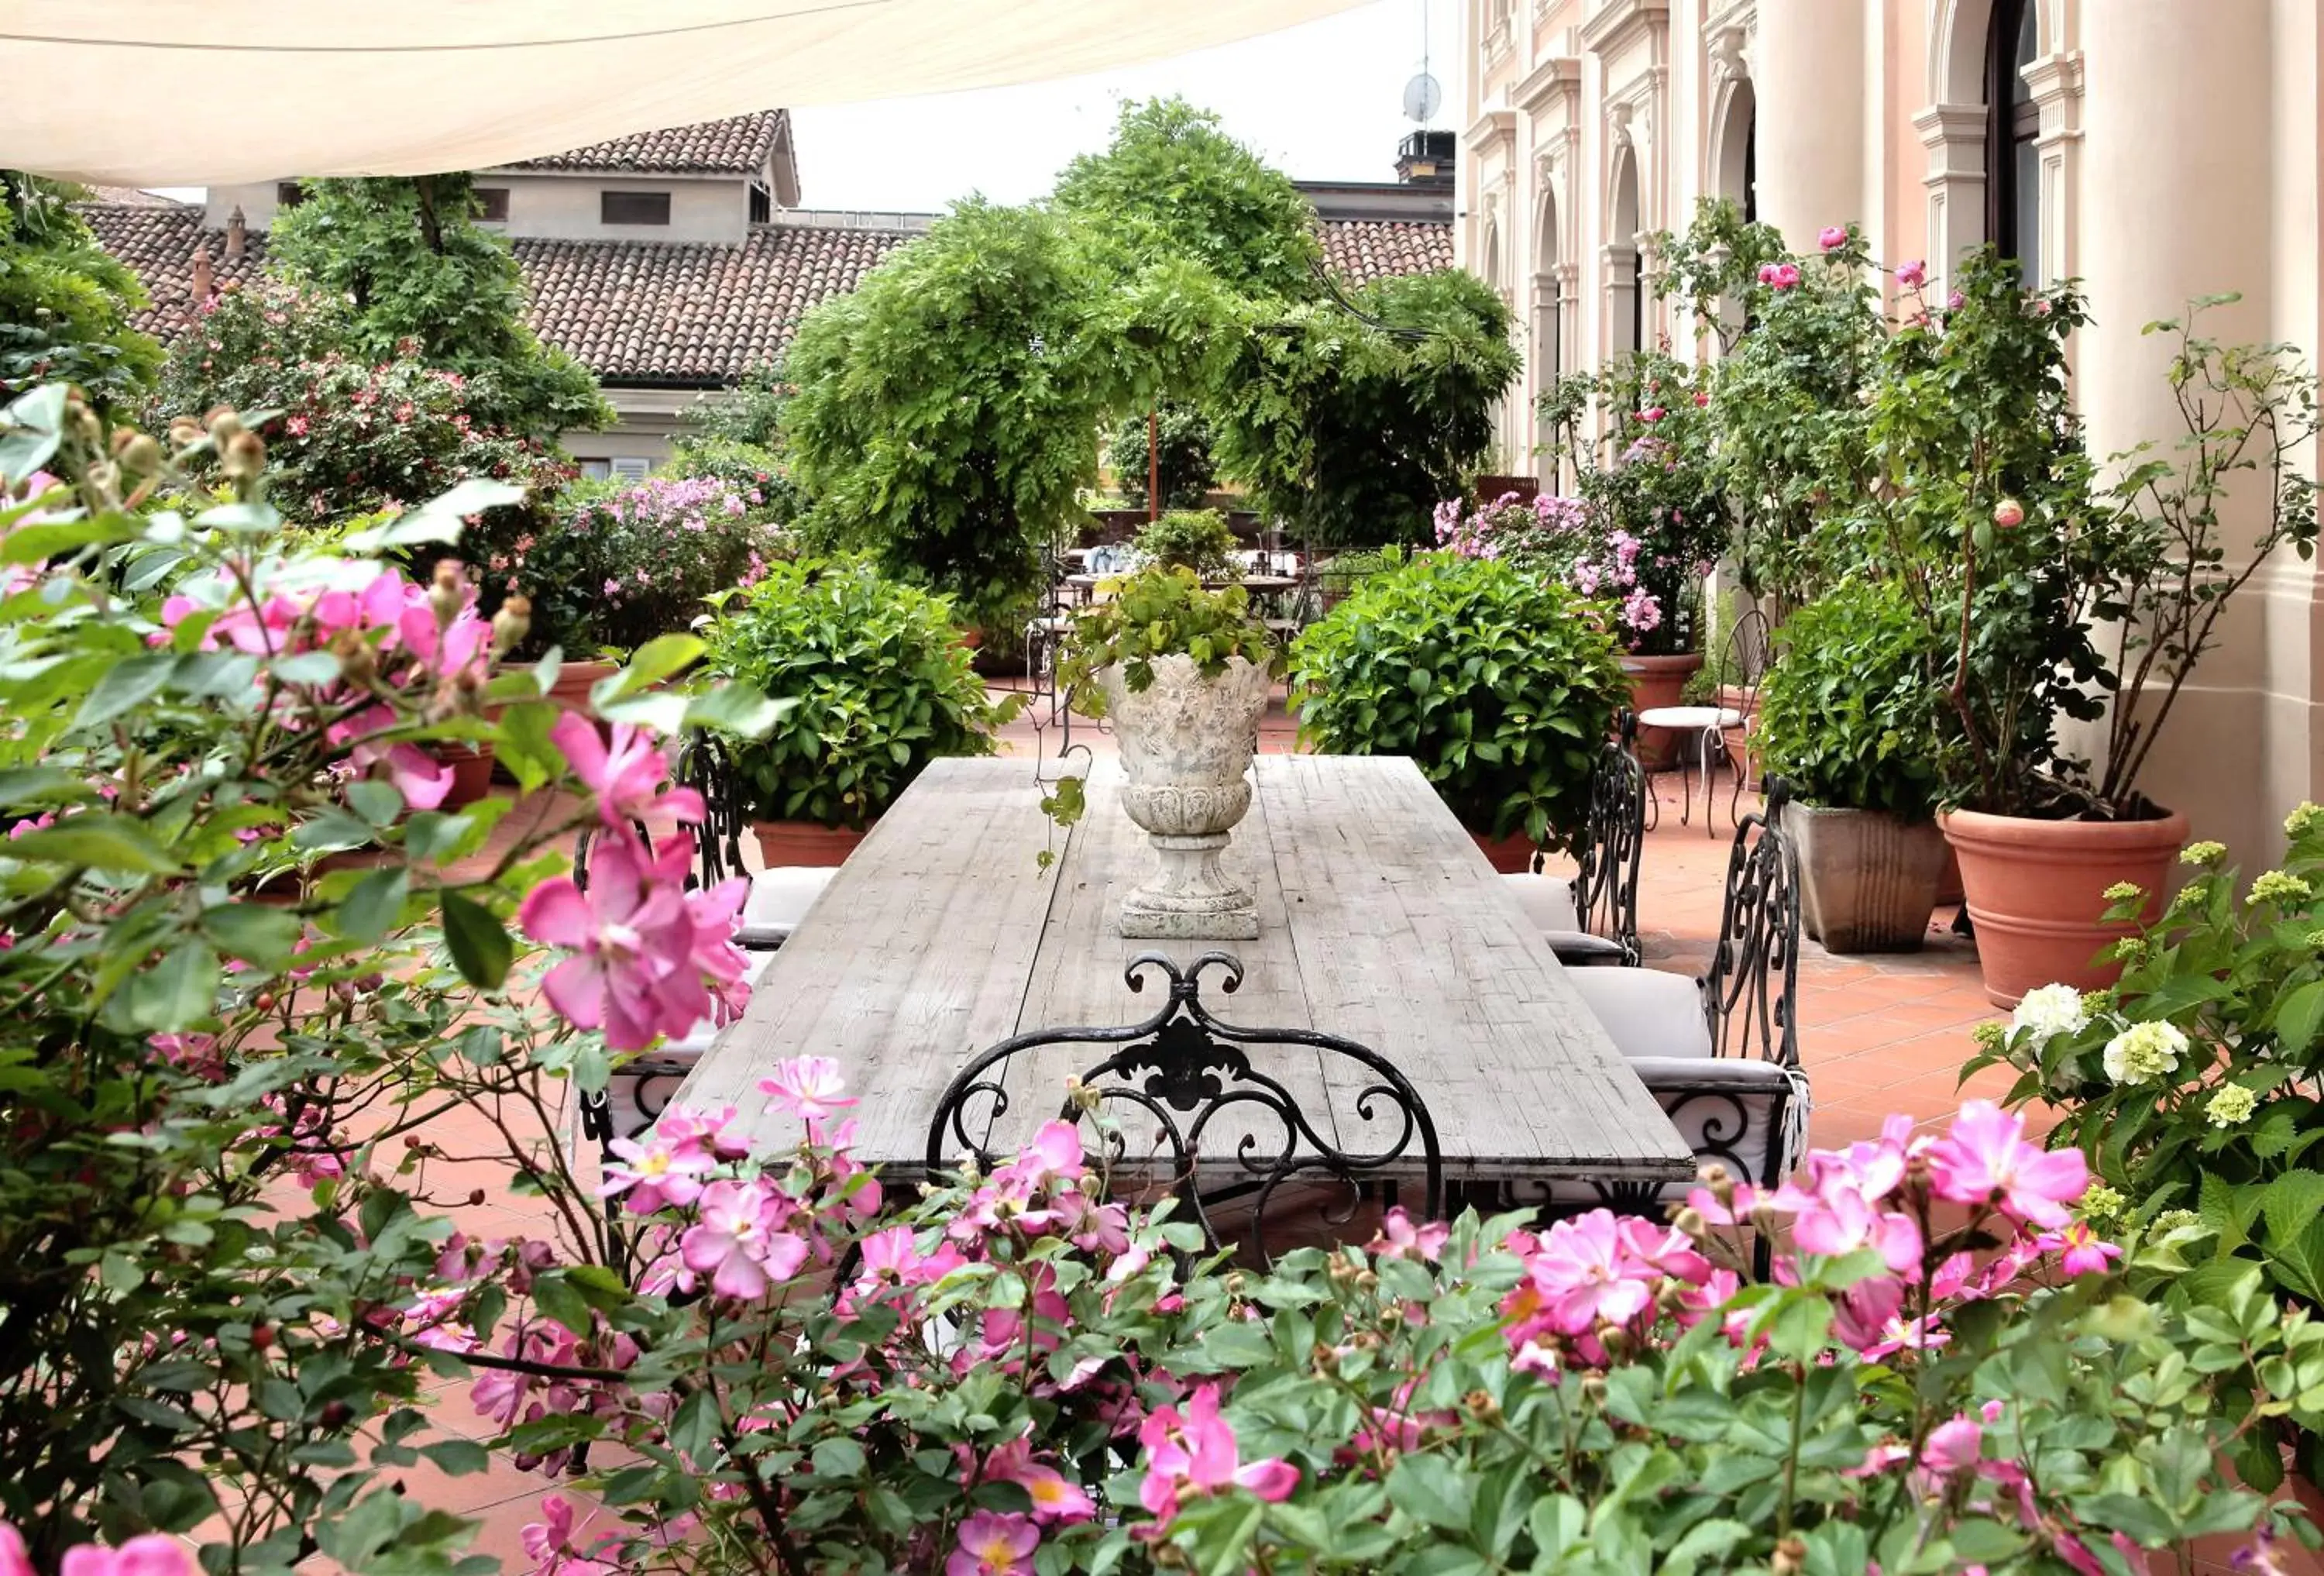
{"x":2157,"y":149}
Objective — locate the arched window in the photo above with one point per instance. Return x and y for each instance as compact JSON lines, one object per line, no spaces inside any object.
{"x":2012,"y":164}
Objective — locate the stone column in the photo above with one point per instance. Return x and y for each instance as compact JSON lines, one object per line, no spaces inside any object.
{"x":2182,"y":208}
{"x":1809,"y":79}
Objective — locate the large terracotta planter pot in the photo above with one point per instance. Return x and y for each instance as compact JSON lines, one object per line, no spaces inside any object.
{"x":574,"y":682}
{"x":2035,"y":889}
{"x":1659,"y":681}
{"x":1868,"y":880}
{"x":472,"y":773}
{"x":807,"y":843}
{"x":1187,"y":742}
{"x":1511,"y":856}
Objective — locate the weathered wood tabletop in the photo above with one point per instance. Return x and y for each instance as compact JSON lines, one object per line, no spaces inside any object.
{"x":1380,"y":921}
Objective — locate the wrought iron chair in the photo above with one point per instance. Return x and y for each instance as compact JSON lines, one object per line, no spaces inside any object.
{"x":1742,"y":666}
{"x":1722,"y":1055}
{"x":1592,"y":918}
{"x":1215,"y":1124}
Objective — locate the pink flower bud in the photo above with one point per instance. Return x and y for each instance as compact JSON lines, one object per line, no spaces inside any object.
{"x":2008,"y":513}
{"x":1912,"y":275}
{"x":1651,"y":413}
{"x":1832,"y":238}
{"x":1702,"y":399}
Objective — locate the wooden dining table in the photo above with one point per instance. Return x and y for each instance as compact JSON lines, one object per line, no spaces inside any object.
{"x":1380,"y":921}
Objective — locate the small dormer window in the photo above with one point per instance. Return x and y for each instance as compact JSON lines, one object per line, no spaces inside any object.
{"x":633,"y":207}
{"x":492,"y":204}
{"x":762,"y":203}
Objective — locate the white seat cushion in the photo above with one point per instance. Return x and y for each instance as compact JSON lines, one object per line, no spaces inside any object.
{"x":1691,"y":717}
{"x":780,"y":899}
{"x":1547,"y":901}
{"x":1646,"y":1012}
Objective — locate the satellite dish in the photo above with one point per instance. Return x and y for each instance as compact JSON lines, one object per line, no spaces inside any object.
{"x":1422,"y":98}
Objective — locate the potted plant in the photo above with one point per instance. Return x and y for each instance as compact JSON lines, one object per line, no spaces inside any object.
{"x":1183,"y":673}
{"x":1846,"y":717}
{"x":621,"y":562}
{"x":1501,"y":685}
{"x":1647,"y":522}
{"x":2015,"y":552}
{"x":883,"y":687}
{"x":1197,"y":540}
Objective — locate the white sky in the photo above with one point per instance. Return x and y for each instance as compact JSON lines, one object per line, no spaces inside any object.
{"x":1321,"y":102}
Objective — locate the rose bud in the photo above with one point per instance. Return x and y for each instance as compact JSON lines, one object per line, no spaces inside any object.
{"x":2008,"y":513}
{"x":262,"y":1336}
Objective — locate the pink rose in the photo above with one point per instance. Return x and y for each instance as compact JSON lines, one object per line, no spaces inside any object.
{"x":1832,"y":238}
{"x":2008,"y":514}
{"x":1787,"y":274}
{"x":1652,"y":413}
{"x":1912,"y":275}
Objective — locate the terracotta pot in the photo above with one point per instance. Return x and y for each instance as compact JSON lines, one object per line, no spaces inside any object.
{"x":472,"y":773}
{"x":1738,"y":739}
{"x":1659,"y":681}
{"x":972,"y":638}
{"x":2035,"y":889}
{"x":1868,"y":880}
{"x":1511,"y":856}
{"x":807,"y":843}
{"x":574,"y":682}
{"x":1948,"y":887}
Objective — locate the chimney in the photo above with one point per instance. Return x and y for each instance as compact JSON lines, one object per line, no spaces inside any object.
{"x":205,"y":284}
{"x":234,"y":227}
{"x":1426,"y":159}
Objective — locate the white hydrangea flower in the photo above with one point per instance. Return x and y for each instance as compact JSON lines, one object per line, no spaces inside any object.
{"x":2049,"y":1011}
{"x":2144,"y":1051}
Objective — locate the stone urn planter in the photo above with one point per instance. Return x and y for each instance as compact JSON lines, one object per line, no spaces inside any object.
{"x":2035,"y":889}
{"x":1187,"y":742}
{"x":1659,"y":681}
{"x":1869,"y":879}
{"x":804,"y":843}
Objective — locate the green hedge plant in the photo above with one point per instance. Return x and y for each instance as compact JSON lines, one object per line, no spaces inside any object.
{"x":1848,"y":717}
{"x":882,"y":681}
{"x":1199,"y":540}
{"x":1502,"y":686}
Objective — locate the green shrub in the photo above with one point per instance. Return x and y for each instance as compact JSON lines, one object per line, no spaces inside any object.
{"x":1500,"y":685}
{"x":881,"y":680}
{"x":1850,"y":716}
{"x":1181,"y":450}
{"x":1199,"y":540}
{"x":1162,"y":612}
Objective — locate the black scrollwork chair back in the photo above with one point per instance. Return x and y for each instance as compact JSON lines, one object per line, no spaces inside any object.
{"x":1185,"y":1105}
{"x":1720,"y":1054}
{"x":1606,"y":888}
{"x":1594,"y":918}
{"x":1750,"y":646}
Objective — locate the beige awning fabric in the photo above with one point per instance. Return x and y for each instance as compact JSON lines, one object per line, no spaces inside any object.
{"x":212,"y":92}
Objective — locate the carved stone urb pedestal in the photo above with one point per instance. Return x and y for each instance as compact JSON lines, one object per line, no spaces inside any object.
{"x":1186,"y":743}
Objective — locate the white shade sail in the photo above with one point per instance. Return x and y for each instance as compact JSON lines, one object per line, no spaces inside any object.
{"x":212,"y":92}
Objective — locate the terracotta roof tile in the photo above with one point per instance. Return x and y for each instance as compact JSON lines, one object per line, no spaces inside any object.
{"x":656,"y":312}
{"x":1362,"y":249}
{"x":738,"y":145}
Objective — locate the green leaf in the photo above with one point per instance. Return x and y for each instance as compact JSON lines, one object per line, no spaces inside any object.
{"x":480,"y":947}
{"x":371,"y":910}
{"x":2298,"y":1017}
{"x":125,"y":686}
{"x":257,"y":933}
{"x":176,"y":993}
{"x":1432,"y":1490}
{"x":654,"y":661}
{"x":30,"y":427}
{"x":94,"y":842}
{"x":376,"y":802}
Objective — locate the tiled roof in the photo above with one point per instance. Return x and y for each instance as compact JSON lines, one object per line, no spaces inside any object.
{"x":636,"y":311}
{"x":1362,"y":249}
{"x":658,"y":312}
{"x":631,"y":311}
{"x":158,"y":245}
{"x":739,"y":145}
